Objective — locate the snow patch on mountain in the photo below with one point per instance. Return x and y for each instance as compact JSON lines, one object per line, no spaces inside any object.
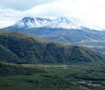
{"x":59,"y":22}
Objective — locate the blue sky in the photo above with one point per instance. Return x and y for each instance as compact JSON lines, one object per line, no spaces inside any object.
{"x":91,"y":11}
{"x":22,"y":4}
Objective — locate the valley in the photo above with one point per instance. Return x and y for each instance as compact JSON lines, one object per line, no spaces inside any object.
{"x":52,"y":77}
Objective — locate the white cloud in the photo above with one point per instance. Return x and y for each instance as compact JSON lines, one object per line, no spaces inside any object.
{"x":9,"y":17}
{"x":90,"y":10}
{"x":52,"y":9}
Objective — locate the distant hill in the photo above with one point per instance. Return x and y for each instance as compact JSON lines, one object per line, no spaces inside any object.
{"x":22,"y":48}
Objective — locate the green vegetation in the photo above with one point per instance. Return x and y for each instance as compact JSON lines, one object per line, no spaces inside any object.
{"x":13,"y":69}
{"x":21,"y":48}
{"x":6,"y":55}
{"x":52,"y":77}
{"x":45,"y":65}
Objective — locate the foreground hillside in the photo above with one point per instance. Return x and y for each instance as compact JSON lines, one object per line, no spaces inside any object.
{"x":22,"y":48}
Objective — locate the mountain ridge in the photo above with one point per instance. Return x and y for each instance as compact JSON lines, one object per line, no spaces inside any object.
{"x":29,"y":49}
{"x":58,"y":22}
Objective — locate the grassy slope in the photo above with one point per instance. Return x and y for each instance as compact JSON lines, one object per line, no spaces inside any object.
{"x":29,"y":49}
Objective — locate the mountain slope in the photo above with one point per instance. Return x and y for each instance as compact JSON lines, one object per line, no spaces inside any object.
{"x":7,"y":55}
{"x":30,"y":49}
{"x":62,"y":29}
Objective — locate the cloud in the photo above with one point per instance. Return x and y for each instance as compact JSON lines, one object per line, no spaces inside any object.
{"x":9,"y":17}
{"x":92,"y":11}
{"x":51,"y":9}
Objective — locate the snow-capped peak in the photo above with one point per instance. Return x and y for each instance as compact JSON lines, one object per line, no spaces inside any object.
{"x":31,"y":22}
{"x":59,"y":22}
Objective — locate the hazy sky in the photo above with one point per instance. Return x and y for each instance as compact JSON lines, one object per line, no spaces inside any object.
{"x":92,"y":11}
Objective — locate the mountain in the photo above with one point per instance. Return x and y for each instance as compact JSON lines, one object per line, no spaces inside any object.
{"x":60,"y":22}
{"x":62,"y":29}
{"x":22,"y":48}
